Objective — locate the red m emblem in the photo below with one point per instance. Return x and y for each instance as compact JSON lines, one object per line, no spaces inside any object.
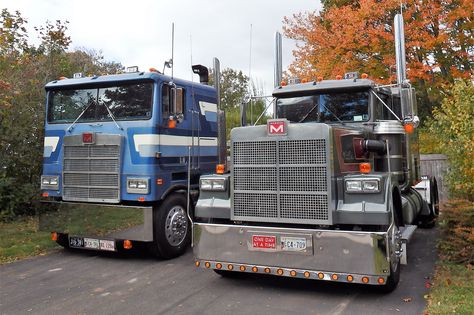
{"x":276,"y":127}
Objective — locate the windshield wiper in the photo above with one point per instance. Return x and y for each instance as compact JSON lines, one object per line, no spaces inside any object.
{"x":308,"y":113}
{"x":79,"y":117}
{"x":322,"y":104}
{"x":113,"y":117}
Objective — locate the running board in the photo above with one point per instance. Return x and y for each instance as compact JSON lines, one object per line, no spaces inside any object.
{"x":406,"y":234}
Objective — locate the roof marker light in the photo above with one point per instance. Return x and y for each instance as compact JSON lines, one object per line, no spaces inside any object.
{"x":364,"y":76}
{"x":338,"y":77}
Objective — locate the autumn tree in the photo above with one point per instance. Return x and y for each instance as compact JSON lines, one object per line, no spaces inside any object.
{"x":358,"y":36}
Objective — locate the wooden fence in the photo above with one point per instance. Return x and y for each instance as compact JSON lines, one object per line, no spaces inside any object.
{"x":436,"y":165}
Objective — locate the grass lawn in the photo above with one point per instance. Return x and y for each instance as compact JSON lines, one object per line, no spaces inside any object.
{"x":20,"y":239}
{"x":453,"y":287}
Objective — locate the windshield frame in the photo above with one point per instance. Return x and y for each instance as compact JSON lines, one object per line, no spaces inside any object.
{"x":98,"y":87}
{"x":318,"y":112}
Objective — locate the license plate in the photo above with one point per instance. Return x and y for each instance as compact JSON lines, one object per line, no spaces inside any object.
{"x":293,"y":244}
{"x":76,"y":241}
{"x":107,"y":245}
{"x":264,"y":241}
{"x":92,"y":243}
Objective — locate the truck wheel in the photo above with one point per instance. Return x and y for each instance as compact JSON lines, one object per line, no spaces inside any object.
{"x":429,"y":221}
{"x":171,"y":227}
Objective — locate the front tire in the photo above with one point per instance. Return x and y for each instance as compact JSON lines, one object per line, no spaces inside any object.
{"x":171,"y":227}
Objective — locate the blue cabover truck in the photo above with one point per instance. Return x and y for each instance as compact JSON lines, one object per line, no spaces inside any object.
{"x":122,"y":158}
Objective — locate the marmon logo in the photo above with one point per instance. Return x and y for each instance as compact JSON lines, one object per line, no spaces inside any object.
{"x":276,"y":127}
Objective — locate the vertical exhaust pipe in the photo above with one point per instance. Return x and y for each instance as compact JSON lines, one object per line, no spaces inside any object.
{"x":400,"y":49}
{"x":221,"y":136}
{"x":277,"y":61}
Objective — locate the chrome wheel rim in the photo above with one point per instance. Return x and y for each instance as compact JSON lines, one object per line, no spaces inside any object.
{"x":176,"y":226}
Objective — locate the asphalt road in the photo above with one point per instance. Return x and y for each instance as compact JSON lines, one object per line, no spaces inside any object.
{"x":79,"y":282}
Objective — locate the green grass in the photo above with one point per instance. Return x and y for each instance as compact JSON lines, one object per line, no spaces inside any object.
{"x":453,"y":287}
{"x":20,"y":239}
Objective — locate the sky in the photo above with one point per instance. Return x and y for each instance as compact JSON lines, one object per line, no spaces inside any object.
{"x":138,"y":33}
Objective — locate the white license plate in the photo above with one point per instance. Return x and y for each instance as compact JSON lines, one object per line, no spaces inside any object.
{"x":91,"y":243}
{"x":107,"y":245}
{"x":293,"y":244}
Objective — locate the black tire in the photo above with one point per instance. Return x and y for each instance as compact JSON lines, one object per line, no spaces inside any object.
{"x":171,"y":228}
{"x":429,"y":221}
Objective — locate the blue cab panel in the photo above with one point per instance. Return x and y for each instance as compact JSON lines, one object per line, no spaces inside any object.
{"x":107,"y":137}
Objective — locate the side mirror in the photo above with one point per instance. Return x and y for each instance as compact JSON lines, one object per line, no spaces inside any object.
{"x":177,"y":101}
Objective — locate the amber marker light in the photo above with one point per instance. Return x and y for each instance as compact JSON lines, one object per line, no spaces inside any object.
{"x":220,"y":168}
{"x":154,"y":70}
{"x":320,"y":79}
{"x":141,"y":199}
{"x":45,"y":194}
{"x":350,"y":278}
{"x":365,"y":168}
{"x":409,"y":128}
{"x":62,"y":78}
{"x":365,"y":280}
{"x":171,"y":123}
{"x":254,"y":269}
{"x":292,"y":273}
{"x":304,"y":81}
{"x":218,"y":266}
{"x":159,"y":181}
{"x":306,"y":274}
{"x":380,"y":280}
{"x":230,"y":267}
{"x":267,"y":270}
{"x":364,"y":76}
{"x":335,"y":277}
{"x":54,"y":236}
{"x":197,"y":263}
{"x":321,"y":275}
{"x":207,"y":264}
{"x":242,"y":268}
{"x":283,"y":83}
{"x":127,"y":244}
{"x":338,"y":77}
{"x":280,"y":272}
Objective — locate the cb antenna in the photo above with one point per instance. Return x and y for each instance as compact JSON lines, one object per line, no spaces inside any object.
{"x":172,"y":50}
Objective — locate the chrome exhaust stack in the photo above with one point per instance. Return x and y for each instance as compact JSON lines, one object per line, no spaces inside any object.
{"x":221,"y":129}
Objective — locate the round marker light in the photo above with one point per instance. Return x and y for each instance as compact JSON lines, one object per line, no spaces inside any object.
{"x":321,"y":275}
{"x":230,"y":267}
{"x":283,"y":83}
{"x":197,"y":263}
{"x":320,"y":79}
{"x":242,"y":268}
{"x":335,"y":277}
{"x":207,"y":264}
{"x":292,"y":273}
{"x":306,"y":274}
{"x":365,"y":280}
{"x":54,"y":236}
{"x":267,"y":270}
{"x":218,"y":265}
{"x":409,"y":128}
{"x":254,"y":269}
{"x":364,"y":76}
{"x":365,"y":168}
{"x":280,"y":272}
{"x":350,"y":278}
{"x":338,"y":77}
{"x":381,"y":280}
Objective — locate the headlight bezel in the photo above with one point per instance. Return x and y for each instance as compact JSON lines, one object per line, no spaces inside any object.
{"x":138,"y":185}
{"x":213,"y":184}
{"x":362,"y":185}
{"x":49,"y":182}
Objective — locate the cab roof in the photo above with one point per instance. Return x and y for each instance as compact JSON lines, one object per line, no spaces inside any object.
{"x":323,"y":86}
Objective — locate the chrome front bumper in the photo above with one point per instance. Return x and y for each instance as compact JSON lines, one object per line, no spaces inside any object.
{"x":329,"y":254}
{"x":97,"y":220}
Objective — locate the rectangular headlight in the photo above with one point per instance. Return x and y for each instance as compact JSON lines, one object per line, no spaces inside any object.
{"x":353,"y":186}
{"x":213,"y":184}
{"x":50,"y":182}
{"x":137,"y":185}
{"x":369,"y":185}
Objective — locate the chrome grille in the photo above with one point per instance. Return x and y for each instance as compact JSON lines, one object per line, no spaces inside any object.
{"x":281,"y":181}
{"x":92,"y":172}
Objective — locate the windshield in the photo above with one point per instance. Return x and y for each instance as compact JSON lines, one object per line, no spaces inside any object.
{"x":347,"y":107}
{"x":125,"y":101}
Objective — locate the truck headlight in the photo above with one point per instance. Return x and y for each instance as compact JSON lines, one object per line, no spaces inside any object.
{"x":137,"y":185}
{"x":363,"y":185}
{"x":49,"y":182}
{"x":213,"y":184}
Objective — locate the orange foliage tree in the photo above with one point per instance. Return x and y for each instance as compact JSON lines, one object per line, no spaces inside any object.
{"x":358,"y":36}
